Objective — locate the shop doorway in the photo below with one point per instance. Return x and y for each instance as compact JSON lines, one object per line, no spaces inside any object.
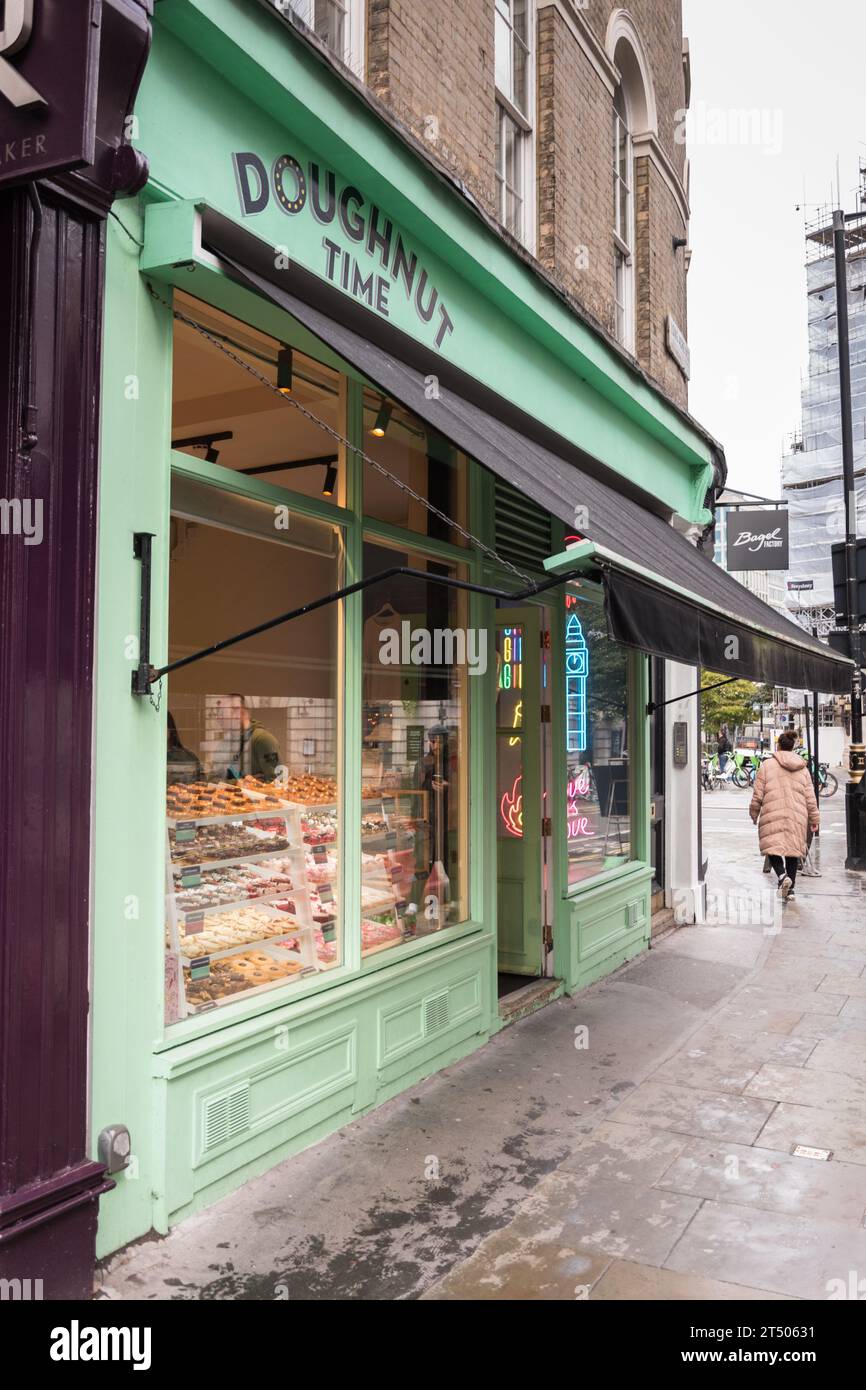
{"x":524,"y":871}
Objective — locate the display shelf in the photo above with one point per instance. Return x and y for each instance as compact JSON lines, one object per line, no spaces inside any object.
{"x":185,"y":914}
{"x":300,"y":925}
{"x":275,"y":813}
{"x":241,"y":860}
{"x":293,"y":928}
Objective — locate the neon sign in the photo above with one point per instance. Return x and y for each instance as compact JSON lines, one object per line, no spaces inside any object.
{"x":511,"y":668}
{"x":576,"y":676}
{"x":577,"y":786}
{"x":511,"y":808}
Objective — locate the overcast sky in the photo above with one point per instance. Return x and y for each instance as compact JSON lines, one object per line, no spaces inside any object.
{"x":801,"y":68}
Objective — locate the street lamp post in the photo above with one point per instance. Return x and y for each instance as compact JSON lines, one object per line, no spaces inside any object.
{"x":855,"y":801}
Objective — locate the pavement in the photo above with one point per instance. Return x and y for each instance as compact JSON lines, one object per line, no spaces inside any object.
{"x":637,"y":1141}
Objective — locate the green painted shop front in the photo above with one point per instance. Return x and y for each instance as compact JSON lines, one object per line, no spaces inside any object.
{"x":219,"y":1091}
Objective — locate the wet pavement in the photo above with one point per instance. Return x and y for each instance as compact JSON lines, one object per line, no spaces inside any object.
{"x":634,"y":1142}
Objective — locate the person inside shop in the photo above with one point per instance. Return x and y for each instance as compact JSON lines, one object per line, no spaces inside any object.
{"x":724,"y":748}
{"x":183,"y":766}
{"x":258,"y":753}
{"x":435,"y":775}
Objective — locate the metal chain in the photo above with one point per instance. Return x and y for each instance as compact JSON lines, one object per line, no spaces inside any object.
{"x":335,"y":434}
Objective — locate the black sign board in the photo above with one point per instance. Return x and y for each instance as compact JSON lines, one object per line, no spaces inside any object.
{"x":757,"y":540}
{"x":840,"y":580}
{"x":49,"y":51}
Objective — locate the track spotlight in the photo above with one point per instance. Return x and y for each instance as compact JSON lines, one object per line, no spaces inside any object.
{"x":284,"y":371}
{"x":383,"y":419}
{"x":330,"y":482}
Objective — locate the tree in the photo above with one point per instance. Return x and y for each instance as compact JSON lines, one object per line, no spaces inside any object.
{"x":729,"y":704}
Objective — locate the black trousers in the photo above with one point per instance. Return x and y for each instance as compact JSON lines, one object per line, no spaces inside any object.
{"x":788,"y":865}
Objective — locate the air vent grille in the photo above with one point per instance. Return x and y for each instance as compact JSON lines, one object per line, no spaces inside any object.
{"x":522,"y":527}
{"x":435,"y":1012}
{"x":225,"y":1116}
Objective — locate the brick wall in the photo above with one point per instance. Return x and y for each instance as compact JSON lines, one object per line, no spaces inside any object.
{"x":433,"y":64}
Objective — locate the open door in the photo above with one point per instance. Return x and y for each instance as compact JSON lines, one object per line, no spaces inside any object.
{"x":519,"y":793}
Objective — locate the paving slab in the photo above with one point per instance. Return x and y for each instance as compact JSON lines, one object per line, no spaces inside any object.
{"x":799,"y":944}
{"x":825,"y":1090}
{"x":726,"y":1065}
{"x":737,"y":946}
{"x":623,"y":1153}
{"x":818,"y":1026}
{"x":790,"y":1125}
{"x":688,"y":1110}
{"x":624,"y":1280}
{"x":629,"y":1220}
{"x":768,"y":995}
{"x":698,"y":982}
{"x":854,"y":1008}
{"x":793,"y":1255}
{"x":844,"y":982}
{"x":769,"y":1015}
{"x":768,"y":1179}
{"x":520,"y":1266}
{"x":763,"y":1047}
{"x":798,"y":972}
{"x":834,"y":1054}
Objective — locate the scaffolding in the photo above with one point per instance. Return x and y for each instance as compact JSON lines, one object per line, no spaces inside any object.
{"x":812,"y":462}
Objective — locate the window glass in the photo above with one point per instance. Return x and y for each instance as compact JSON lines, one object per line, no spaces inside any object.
{"x":598,"y":783}
{"x":418,"y":659}
{"x":510,"y":162}
{"x":331,"y":25}
{"x":223,"y":414}
{"x":511,"y":52}
{"x":252,"y":750}
{"x":418,"y":457}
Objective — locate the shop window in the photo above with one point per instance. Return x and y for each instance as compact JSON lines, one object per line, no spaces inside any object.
{"x":253,"y":752}
{"x":514,"y":125}
{"x":426,"y":467}
{"x":227,"y":416}
{"x":597,"y":745}
{"x":418,"y":660}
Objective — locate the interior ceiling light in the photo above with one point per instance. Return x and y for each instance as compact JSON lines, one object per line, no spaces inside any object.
{"x":284,"y":371}
{"x":330,"y":481}
{"x":204,"y":441}
{"x":383,"y":419}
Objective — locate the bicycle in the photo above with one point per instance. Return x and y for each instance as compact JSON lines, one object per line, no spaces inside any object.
{"x":746,"y":769}
{"x":712,"y":776}
{"x":828,"y":785}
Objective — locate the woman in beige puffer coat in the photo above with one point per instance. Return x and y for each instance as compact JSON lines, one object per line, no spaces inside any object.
{"x":784,"y":807}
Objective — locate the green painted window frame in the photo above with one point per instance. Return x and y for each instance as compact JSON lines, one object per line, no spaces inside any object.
{"x":355,"y":526}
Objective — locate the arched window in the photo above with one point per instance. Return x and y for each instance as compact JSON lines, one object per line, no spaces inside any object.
{"x":634,"y":118}
{"x":623,"y":221}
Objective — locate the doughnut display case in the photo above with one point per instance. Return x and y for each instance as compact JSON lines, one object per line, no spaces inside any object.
{"x":247,"y":906}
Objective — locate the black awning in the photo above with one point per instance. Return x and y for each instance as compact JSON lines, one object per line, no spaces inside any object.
{"x":666,"y":625}
{"x":666,"y":597}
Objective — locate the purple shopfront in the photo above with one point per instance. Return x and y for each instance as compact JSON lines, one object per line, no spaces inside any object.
{"x":69,"y":73}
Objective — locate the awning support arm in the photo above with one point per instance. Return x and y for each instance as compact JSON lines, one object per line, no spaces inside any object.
{"x":145,"y":676}
{"x":653,"y":706}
